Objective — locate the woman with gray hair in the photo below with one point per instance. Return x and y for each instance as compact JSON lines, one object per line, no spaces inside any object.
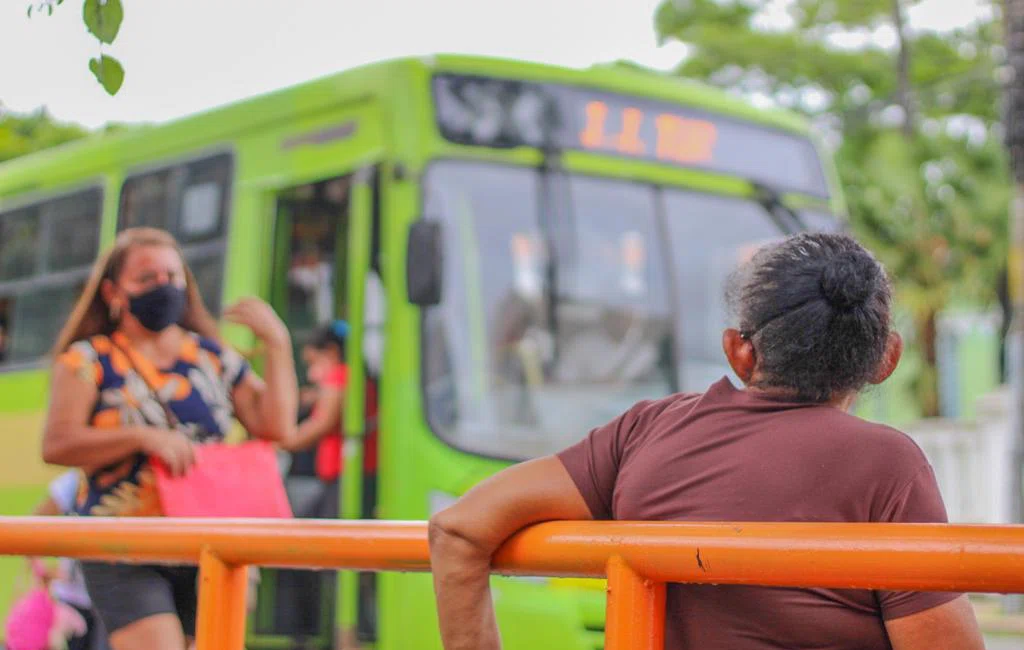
{"x":813,"y":326}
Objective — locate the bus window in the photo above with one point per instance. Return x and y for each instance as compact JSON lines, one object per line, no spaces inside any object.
{"x":74,"y":233}
{"x":191,"y":201}
{"x":199,"y":210}
{"x":46,"y":250}
{"x":38,"y":317}
{"x":145,"y":201}
{"x":204,"y":199}
{"x":208,"y":272}
{"x":19,"y":243}
{"x":710,"y":236}
{"x":506,"y":372}
{"x":619,"y":270}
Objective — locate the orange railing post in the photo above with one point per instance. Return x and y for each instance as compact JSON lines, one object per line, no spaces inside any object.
{"x":222,"y":594}
{"x":635,"y":618}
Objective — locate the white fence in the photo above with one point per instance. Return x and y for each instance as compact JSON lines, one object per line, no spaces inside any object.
{"x":972,"y":460}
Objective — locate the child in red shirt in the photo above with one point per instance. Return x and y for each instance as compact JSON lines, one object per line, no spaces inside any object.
{"x":324,"y":356}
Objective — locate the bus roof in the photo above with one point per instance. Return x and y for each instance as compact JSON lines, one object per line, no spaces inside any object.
{"x":137,"y":142}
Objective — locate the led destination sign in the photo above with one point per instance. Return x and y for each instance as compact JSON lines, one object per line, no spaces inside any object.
{"x":491,"y":112}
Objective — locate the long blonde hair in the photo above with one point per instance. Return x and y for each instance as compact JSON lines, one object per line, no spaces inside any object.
{"x":91,"y":315}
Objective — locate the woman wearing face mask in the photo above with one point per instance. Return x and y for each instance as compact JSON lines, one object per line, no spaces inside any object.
{"x":138,"y":336}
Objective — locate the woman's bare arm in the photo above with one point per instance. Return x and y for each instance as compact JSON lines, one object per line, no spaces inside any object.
{"x":947,"y":627}
{"x":68,"y":439}
{"x":464,"y":537}
{"x":267,"y":407}
{"x":326,"y":418}
{"x":47,"y":508}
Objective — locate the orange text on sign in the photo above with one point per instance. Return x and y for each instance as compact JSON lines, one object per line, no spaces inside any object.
{"x":677,"y":139}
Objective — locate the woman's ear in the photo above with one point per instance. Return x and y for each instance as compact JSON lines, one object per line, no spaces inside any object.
{"x":108,"y":292}
{"x":891,"y":358}
{"x":740,"y":353}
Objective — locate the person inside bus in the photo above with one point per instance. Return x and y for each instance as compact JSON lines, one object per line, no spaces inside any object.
{"x":324,"y":356}
{"x":312,"y":277}
{"x":813,"y":326}
{"x":138,"y":341}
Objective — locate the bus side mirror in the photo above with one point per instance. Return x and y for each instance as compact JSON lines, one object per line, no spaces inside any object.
{"x":424,"y":263}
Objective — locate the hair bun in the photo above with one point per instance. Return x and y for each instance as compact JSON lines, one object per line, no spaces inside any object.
{"x":848,"y":280}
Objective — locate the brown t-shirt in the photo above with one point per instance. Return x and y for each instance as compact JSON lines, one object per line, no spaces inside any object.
{"x":729,"y":455}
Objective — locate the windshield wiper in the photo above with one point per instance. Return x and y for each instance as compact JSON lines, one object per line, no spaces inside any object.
{"x":771,"y":200}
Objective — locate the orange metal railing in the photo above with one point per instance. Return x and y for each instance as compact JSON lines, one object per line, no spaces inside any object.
{"x":637,"y":558}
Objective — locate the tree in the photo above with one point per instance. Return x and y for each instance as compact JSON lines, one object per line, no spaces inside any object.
{"x":917,"y":126}
{"x":23,"y":134}
{"x":103,"y":20}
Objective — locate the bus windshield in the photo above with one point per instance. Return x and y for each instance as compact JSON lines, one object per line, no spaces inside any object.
{"x":558,"y":315}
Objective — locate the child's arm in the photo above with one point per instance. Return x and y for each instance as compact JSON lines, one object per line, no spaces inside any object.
{"x":47,"y":508}
{"x":62,"y":488}
{"x":326,"y":418}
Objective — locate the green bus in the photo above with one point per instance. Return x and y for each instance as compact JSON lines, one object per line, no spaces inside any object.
{"x":522,"y":252}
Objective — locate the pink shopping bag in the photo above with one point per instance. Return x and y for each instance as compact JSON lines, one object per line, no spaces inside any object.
{"x":226,"y":481}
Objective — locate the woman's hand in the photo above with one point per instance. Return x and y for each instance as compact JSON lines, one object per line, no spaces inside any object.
{"x":173,"y":448}
{"x":268,"y":407}
{"x":259,"y":317}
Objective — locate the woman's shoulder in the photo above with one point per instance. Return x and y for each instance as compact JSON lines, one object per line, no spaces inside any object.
{"x":101,"y":343}
{"x":85,"y":357}
{"x":645,"y":413}
{"x":87,"y":350}
{"x":886,"y":444}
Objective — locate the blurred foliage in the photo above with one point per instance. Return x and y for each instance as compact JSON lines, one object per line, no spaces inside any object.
{"x":103,"y":20}
{"x":925,"y":174}
{"x":23,"y":134}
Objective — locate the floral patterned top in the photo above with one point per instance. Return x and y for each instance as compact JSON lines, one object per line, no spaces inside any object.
{"x":197,"y":387}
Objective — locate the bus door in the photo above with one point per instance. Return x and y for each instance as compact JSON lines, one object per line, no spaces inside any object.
{"x":322,"y":242}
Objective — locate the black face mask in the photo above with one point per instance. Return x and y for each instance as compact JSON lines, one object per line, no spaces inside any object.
{"x":158,"y":308}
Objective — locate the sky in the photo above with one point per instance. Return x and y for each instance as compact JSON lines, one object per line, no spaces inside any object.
{"x":184,"y":56}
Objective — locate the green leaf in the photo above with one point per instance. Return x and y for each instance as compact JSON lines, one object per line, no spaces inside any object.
{"x":103,"y":19}
{"x":30,"y":11}
{"x":108,"y":72}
